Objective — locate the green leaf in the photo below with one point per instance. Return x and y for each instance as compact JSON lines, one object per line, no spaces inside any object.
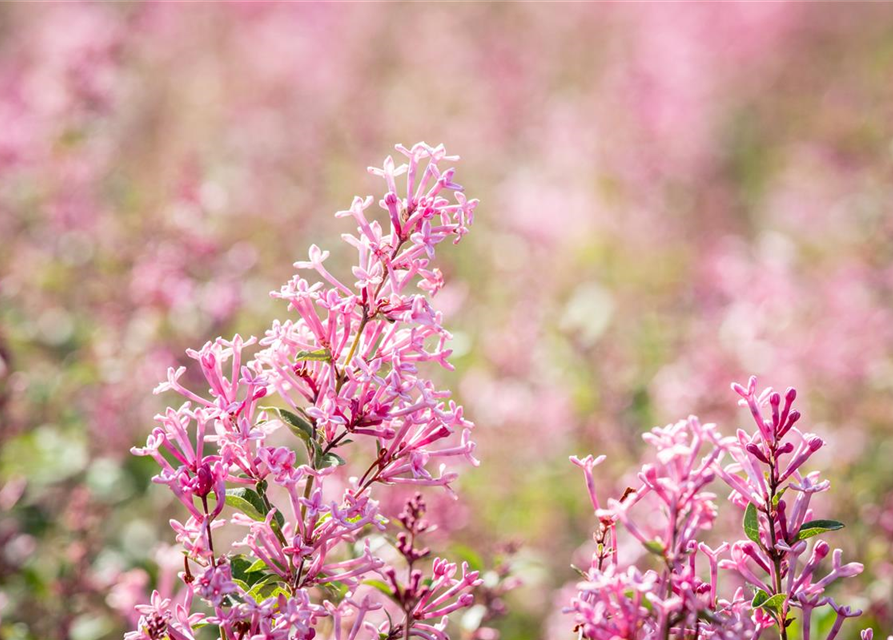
{"x":777,"y":497}
{"x":244,"y":500}
{"x":773,"y":604}
{"x":752,"y":523}
{"x":469,"y":555}
{"x":655,"y":546}
{"x":238,"y":564}
{"x":298,"y":425}
{"x":381,"y":585}
{"x":247,"y":571}
{"x":762,"y":600}
{"x":816,"y":527}
{"x":329,"y":460}
{"x":759,"y":598}
{"x":266,"y":588}
{"x":252,"y":505}
{"x":259,"y":565}
{"x":318,"y":354}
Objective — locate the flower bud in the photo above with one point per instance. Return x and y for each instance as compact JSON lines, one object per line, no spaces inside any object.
{"x":204,"y":480}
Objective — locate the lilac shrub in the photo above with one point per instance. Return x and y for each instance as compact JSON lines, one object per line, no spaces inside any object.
{"x":775,"y":574}
{"x":343,"y":378}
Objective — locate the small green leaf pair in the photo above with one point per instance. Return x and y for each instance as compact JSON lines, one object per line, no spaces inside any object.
{"x":807,"y":530}
{"x":762,"y":600}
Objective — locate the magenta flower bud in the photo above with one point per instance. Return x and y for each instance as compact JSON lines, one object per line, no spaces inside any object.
{"x":812,"y":444}
{"x":792,"y":419}
{"x":754,"y":449}
{"x":204,"y":480}
{"x":821,"y":549}
{"x":782,"y":519}
{"x":775,"y":401}
{"x":787,"y":447}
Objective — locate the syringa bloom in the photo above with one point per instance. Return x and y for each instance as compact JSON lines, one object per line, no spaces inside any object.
{"x":348,"y":368}
{"x":615,"y":602}
{"x":674,"y":599}
{"x":768,"y":482}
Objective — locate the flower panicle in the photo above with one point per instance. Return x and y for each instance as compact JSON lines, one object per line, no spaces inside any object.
{"x":344,"y":374}
{"x":780,"y":560}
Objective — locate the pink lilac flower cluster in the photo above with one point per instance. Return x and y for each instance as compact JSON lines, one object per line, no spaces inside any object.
{"x":779,"y":561}
{"x":344,"y":372}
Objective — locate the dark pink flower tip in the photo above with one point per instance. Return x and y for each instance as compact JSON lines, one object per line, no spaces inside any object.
{"x":755,"y":451}
{"x":205,"y":480}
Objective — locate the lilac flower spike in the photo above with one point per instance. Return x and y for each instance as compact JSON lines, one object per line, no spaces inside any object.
{"x":673,"y":600}
{"x":778,"y":532}
{"x":346,"y":369}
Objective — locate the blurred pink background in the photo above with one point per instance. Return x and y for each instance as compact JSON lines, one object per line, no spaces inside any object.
{"x":673,"y":197}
